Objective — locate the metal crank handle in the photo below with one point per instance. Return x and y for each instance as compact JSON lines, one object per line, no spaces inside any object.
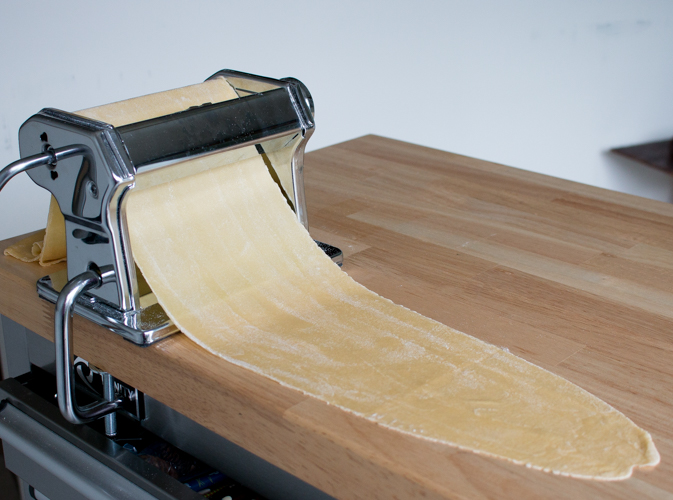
{"x":65,"y":370}
{"x":49,"y":157}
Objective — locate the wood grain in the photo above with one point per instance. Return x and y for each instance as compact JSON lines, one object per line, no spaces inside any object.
{"x":573,"y":278}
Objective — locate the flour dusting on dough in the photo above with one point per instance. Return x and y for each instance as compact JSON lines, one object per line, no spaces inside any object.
{"x":233,"y":268}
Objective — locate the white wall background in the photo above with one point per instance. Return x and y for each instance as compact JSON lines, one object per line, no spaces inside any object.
{"x":545,"y":85}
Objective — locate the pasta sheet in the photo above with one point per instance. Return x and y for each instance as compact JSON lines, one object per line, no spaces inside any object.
{"x":47,"y":246}
{"x":232,"y":267}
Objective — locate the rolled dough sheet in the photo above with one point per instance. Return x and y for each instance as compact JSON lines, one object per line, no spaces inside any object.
{"x":46,"y":246}
{"x":29,"y":248}
{"x":241,"y":277}
{"x":161,"y":103}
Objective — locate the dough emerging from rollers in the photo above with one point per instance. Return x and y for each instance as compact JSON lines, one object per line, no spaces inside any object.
{"x":234,"y":269}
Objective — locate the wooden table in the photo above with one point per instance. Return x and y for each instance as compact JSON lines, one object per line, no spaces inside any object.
{"x":576,"y":279}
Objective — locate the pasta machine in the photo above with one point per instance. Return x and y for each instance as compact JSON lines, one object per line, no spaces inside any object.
{"x":90,"y":166}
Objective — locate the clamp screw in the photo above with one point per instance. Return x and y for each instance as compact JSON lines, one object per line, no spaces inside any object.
{"x":93,"y":189}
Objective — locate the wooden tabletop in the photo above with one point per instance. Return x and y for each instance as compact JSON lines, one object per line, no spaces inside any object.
{"x":575,"y":279}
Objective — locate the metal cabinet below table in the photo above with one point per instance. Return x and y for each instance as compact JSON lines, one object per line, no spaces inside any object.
{"x":57,"y":460}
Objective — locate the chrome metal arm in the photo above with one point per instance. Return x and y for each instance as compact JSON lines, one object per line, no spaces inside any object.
{"x":65,"y":370}
{"x":22,"y":165}
{"x":51,"y":156}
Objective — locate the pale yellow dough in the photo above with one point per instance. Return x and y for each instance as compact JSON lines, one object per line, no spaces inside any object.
{"x":162,"y":103}
{"x":241,"y":277}
{"x":28,"y":249}
{"x":47,"y":246}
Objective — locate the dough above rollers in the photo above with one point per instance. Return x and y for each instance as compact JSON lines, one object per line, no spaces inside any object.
{"x":230,"y":264}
